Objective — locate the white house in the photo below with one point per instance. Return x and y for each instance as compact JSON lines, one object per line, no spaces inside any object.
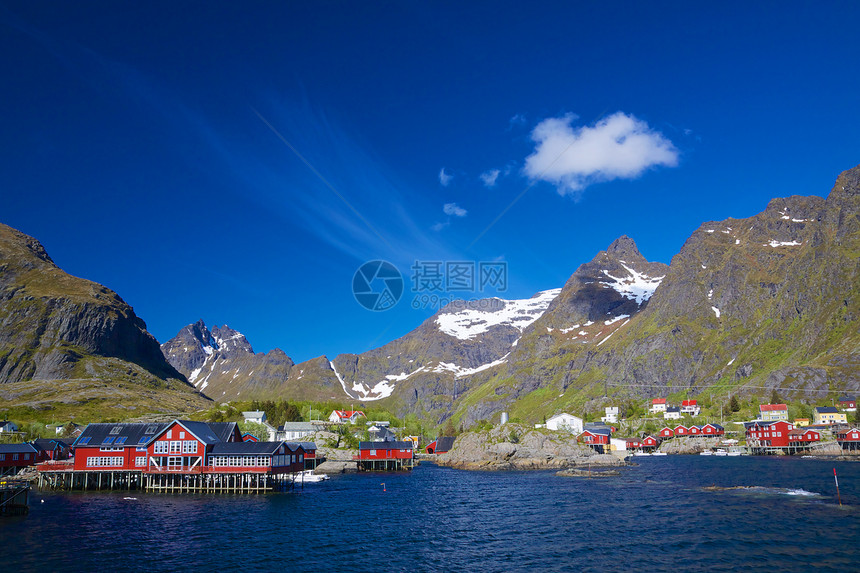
{"x":345,"y":416}
{"x":618,"y":444}
{"x":658,"y":405}
{"x":690,"y":407}
{"x":672,"y":413}
{"x":259,"y":417}
{"x":295,"y":431}
{"x":565,"y":421}
{"x":611,"y":416}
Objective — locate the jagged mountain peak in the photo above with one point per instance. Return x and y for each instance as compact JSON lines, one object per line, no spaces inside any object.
{"x":624,"y":248}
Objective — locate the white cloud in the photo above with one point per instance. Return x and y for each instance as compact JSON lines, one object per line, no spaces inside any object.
{"x":454,"y":210}
{"x":617,"y":147}
{"x":444,"y":178}
{"x":517,"y":119}
{"x":489,"y":177}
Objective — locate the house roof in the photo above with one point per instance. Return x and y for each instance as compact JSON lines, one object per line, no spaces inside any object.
{"x":444,"y":444}
{"x":224,"y":430}
{"x":826,"y":410}
{"x":385,"y":445}
{"x":348,"y":413}
{"x":119,"y":435}
{"x":48,"y":444}
{"x":307,"y":446}
{"x":24,"y":448}
{"x":598,"y":431}
{"x":673,"y":409}
{"x":298,"y":427}
{"x":847,"y":399}
{"x":254,"y":414}
{"x":688,"y":403}
{"x":772,"y":407}
{"x":658,"y":401}
{"x":245,"y":448}
{"x":201,"y":431}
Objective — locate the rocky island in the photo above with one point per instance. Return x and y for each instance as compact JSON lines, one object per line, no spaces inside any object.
{"x":518,"y":447}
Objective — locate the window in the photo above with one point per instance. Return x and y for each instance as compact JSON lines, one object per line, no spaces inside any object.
{"x":301,"y":458}
{"x":26,"y":456}
{"x":143,"y":440}
{"x":14,"y":457}
{"x":181,"y":435}
{"x":115,"y":430}
{"x":107,"y":441}
{"x":120,"y":440}
{"x":175,"y":447}
{"x":169,"y":434}
{"x":150,"y":430}
{"x":189,"y":447}
{"x":140,"y":461}
{"x":84,"y":441}
{"x":161,"y":447}
{"x":372,"y":452}
{"x":2,"y":457}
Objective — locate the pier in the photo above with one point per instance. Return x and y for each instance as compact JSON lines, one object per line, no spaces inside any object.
{"x":14,"y":497}
{"x":175,"y":482}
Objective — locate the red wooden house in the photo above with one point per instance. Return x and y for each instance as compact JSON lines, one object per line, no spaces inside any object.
{"x":848,"y":403}
{"x":440,"y":445}
{"x":666,"y":433}
{"x":801,"y":437}
{"x":385,"y":450}
{"x":695,"y":430}
{"x":650,"y":443}
{"x":595,"y":436}
{"x":849,"y":439}
{"x":391,"y":455}
{"x":768,"y":434}
{"x":681,"y":430}
{"x":633,"y":443}
{"x":13,"y":457}
{"x":712,"y":430}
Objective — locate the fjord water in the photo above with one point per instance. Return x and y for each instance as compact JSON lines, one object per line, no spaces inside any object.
{"x":657,"y":516}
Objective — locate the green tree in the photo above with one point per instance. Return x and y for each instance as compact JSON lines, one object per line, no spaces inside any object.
{"x":775,"y":398}
{"x":734,"y":404}
{"x":259,"y":431}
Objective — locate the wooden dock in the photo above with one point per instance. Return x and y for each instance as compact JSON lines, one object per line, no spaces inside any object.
{"x":175,"y":482}
{"x":14,"y":497}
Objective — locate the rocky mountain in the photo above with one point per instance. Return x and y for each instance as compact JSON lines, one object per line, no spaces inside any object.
{"x":222,"y":364}
{"x":747,"y":305}
{"x":54,"y":326}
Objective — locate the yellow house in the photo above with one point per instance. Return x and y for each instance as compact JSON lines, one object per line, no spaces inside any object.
{"x":801,"y":422}
{"x":828,"y":415}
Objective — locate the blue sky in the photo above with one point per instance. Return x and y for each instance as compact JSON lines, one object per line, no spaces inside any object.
{"x":238,"y":163}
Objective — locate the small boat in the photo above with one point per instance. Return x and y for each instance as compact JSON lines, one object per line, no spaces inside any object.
{"x":641,"y":454}
{"x":721,"y":452}
{"x":706,"y":453}
{"x":659,"y":454}
{"x":308,"y":476}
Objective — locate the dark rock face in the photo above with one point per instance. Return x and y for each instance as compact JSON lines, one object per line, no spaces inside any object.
{"x":51,"y":322}
{"x":747,"y":304}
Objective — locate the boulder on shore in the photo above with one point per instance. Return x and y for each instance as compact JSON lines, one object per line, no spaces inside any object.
{"x":518,"y":447}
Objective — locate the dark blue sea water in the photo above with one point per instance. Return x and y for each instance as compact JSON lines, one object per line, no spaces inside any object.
{"x":657,"y":516}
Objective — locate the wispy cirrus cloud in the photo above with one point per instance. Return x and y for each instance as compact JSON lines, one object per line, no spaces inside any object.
{"x":619,"y":146}
{"x":445,"y":177}
{"x":454,"y":210}
{"x":489,"y":177}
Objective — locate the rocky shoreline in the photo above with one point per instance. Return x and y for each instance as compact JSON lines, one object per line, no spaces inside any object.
{"x":517,"y":447}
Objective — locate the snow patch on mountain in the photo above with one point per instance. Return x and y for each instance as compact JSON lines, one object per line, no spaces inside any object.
{"x":638,"y":286}
{"x":774,"y":243}
{"x":468,"y":323}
